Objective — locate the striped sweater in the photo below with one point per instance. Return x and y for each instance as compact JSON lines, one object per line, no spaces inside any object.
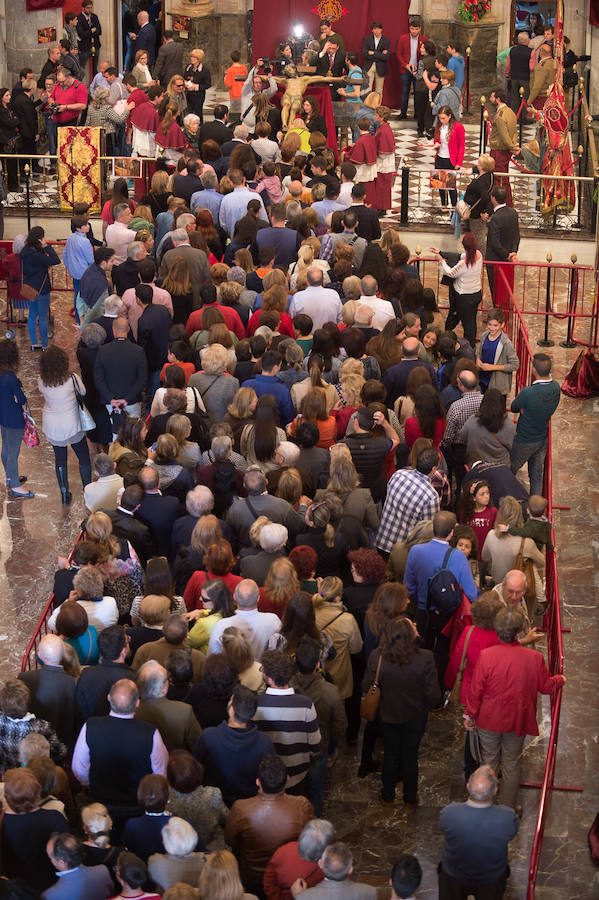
{"x":289,"y":720}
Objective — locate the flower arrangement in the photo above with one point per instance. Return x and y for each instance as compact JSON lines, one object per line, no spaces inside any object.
{"x":473,"y":10}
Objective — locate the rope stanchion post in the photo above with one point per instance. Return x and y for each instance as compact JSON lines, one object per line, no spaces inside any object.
{"x":521,"y":116}
{"x":545,"y":342}
{"x":418,"y":252}
{"x":27,"y":171}
{"x":580,"y":96}
{"x":468,"y":51}
{"x":405,"y":193}
{"x":483,"y":100}
{"x":573,"y":290}
{"x":580,"y":152}
{"x":485,"y":120}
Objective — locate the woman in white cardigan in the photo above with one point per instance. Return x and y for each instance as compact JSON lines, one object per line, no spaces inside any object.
{"x":467,"y":284}
{"x":61,"y":422}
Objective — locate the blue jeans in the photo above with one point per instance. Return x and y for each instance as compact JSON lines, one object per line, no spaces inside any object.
{"x":76,"y":283}
{"x":38,"y":309}
{"x":152,"y":386}
{"x":315,"y":782}
{"x":11,"y":445}
{"x":400,"y":759}
{"x":534,"y":454}
{"x":52,"y":136}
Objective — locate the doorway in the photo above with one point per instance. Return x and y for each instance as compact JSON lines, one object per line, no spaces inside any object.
{"x":522,"y":12}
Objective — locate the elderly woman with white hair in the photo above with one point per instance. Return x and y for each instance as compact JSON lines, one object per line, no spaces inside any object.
{"x":217,"y":388}
{"x":100,"y":114}
{"x":179,"y":863}
{"x":273,"y":540}
{"x":88,"y":592}
{"x":191,"y":130}
{"x":223,"y":429}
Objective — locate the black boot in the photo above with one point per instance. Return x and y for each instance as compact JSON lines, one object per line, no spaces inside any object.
{"x":62,"y":476}
{"x":85,"y":470}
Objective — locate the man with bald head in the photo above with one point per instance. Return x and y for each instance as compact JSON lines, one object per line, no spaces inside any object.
{"x":114,"y":752}
{"x":258,"y":627}
{"x":121,"y":372}
{"x":52,"y":690}
{"x":320,"y":303}
{"x":146,"y":37}
{"x":424,"y":561}
{"x":458,"y":413}
{"x":477,"y":834}
{"x":382,"y":310}
{"x":396,"y":377}
{"x":512,"y":591}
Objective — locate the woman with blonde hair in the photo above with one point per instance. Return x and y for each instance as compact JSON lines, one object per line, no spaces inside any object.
{"x":175,"y":479}
{"x":388,"y":238}
{"x":97,"y":848}
{"x":216,"y":387}
{"x":142,"y":219}
{"x":352,"y":289}
{"x":141,"y":71}
{"x":240,"y":411}
{"x":220,"y":878}
{"x":350,"y":388}
{"x":344,"y":481}
{"x":501,"y":549}
{"x":154,"y":610}
{"x":159,"y":193}
{"x":206,"y":531}
{"x":118,"y":563}
{"x":330,"y":545}
{"x":237,"y":650}
{"x":290,"y":487}
{"x":189,"y":453}
{"x":342,"y":628}
{"x":348,"y":312}
{"x":169,"y":135}
{"x":280,"y":585}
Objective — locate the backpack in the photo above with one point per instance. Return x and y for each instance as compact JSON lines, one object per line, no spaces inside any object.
{"x":224,"y":487}
{"x":444,"y":593}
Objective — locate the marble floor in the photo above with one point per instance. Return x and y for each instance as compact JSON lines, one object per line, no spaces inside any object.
{"x":34,"y":532}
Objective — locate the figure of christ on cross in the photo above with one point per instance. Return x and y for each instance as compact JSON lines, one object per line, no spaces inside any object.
{"x":295,"y":88}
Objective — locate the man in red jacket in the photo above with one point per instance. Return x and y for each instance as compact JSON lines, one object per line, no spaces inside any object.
{"x":502,"y":701}
{"x":408,"y":53}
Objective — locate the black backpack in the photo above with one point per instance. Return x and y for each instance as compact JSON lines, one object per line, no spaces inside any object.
{"x":224,"y":487}
{"x":444,"y":592}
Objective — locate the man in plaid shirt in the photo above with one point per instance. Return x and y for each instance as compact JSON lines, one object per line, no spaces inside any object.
{"x":457,"y":415}
{"x":410,"y":499}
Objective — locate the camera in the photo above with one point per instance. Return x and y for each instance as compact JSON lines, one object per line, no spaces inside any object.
{"x":267,"y":66}
{"x":54,"y":108}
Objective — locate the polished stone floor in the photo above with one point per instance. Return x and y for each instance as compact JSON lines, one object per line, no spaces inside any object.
{"x":34,"y":532}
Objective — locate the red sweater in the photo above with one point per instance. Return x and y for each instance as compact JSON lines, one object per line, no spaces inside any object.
{"x":503,"y":692}
{"x":482,"y":523}
{"x":480,"y":639}
{"x":285,"y":324}
{"x":230,"y":315}
{"x":285,"y":866}
{"x":193,"y":591}
{"x":456,"y":143}
{"x":412,"y":431}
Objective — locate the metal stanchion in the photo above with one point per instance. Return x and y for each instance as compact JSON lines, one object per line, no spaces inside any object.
{"x":580,"y":93}
{"x":483,"y":100}
{"x":580,"y":152}
{"x":521,"y":116}
{"x":27,"y":170}
{"x":484,"y":141}
{"x":569,"y":343}
{"x":468,"y":51}
{"x":418,"y":252}
{"x":545,"y":342}
{"x":405,"y":194}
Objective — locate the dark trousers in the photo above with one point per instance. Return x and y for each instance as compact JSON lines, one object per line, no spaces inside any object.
{"x":12,"y":179}
{"x":424,"y":116}
{"x":455,"y":457}
{"x":466,"y":306}
{"x":400,"y":760}
{"x":81,"y":450}
{"x":430,"y":627}
{"x":28,"y":145}
{"x":452,"y":889}
{"x":371,"y":732}
{"x":442,"y":162}
{"x":407,"y":80}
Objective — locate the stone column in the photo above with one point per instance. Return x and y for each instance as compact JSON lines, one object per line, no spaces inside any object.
{"x":483,"y":39}
{"x":22,"y":48}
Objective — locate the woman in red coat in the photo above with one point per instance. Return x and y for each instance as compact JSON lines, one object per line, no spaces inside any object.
{"x":385,"y":161}
{"x":502,"y":700}
{"x":450,"y":144}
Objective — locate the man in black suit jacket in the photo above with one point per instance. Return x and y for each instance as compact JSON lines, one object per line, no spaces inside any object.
{"x":126,"y":275}
{"x":376,"y":57}
{"x":332,"y":61}
{"x":169,"y":61}
{"x":184,"y":186}
{"x":52,"y":690}
{"x":157,"y":512}
{"x":126,"y":527}
{"x":95,"y":682}
{"x":153,"y":330}
{"x":368,"y":226}
{"x":121,"y":370}
{"x":146,"y":37}
{"x":88,"y":32}
{"x":503,"y":236}
{"x":217,"y":130}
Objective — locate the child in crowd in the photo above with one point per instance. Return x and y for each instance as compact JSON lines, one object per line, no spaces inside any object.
{"x":270,"y":184}
{"x":348,"y":177}
{"x":464,"y":539}
{"x":476,"y":510}
{"x":537,"y":526}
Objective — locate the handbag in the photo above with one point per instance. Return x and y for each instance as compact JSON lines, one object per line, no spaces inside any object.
{"x":30,"y":436}
{"x":29,"y":293}
{"x":369,"y":704}
{"x":85,"y":417}
{"x":526,"y":566}
{"x":456,"y":690}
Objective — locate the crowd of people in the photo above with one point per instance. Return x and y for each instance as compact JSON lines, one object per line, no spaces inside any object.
{"x":302,"y":487}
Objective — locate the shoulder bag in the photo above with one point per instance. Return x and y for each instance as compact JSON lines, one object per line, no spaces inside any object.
{"x":456,"y":690}
{"x":85,"y":417}
{"x":369,"y":704}
{"x":30,"y":435}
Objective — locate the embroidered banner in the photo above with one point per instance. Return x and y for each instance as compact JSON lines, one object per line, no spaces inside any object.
{"x":34,"y":5}
{"x":79,"y":171}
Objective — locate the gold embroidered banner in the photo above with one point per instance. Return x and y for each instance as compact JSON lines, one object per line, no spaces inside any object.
{"x":79,"y":170}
